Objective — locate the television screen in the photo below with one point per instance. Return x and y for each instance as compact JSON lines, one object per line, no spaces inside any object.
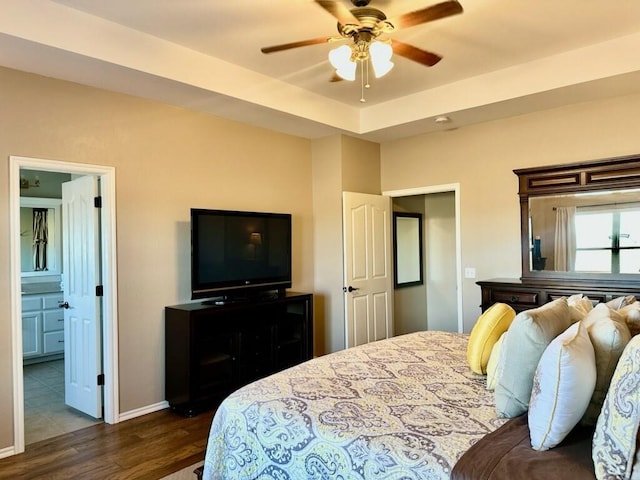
{"x":236,"y":253}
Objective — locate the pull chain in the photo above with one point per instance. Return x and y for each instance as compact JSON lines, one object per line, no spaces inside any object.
{"x":362,"y":85}
{"x":364,"y":78}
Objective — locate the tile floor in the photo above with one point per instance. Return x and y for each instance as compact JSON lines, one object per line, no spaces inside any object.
{"x":45,"y":414}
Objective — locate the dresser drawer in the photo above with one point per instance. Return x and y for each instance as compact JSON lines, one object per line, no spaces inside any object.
{"x":514,"y":297}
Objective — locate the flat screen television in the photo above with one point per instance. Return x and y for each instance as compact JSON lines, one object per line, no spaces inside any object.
{"x":239,"y":254}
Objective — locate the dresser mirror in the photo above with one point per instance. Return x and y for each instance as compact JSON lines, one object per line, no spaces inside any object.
{"x":581,"y":220}
{"x":40,"y":236}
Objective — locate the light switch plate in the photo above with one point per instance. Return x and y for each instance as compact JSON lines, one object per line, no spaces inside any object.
{"x":469,"y":272}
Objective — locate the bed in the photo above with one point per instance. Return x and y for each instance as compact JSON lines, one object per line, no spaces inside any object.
{"x":406,"y":407}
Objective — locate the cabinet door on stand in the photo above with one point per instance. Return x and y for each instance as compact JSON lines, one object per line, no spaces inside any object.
{"x":215,"y":360}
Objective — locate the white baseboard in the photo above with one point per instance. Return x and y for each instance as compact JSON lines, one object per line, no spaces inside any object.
{"x":7,"y":452}
{"x":138,"y":412}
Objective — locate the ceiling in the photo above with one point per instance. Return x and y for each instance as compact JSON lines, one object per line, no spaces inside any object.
{"x":500,"y":58}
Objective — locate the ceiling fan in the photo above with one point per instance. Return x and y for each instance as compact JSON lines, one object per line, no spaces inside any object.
{"x":364,"y":25}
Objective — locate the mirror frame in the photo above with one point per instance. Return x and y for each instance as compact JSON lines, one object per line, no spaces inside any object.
{"x":56,"y":205}
{"x":598,"y":175}
{"x":400,"y":243}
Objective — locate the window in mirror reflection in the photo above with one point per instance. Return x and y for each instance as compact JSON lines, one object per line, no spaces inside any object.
{"x":608,"y":241}
{"x":585,"y":232}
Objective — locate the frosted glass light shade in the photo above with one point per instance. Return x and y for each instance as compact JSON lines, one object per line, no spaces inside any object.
{"x":380,"y":54}
{"x":340,"y":58}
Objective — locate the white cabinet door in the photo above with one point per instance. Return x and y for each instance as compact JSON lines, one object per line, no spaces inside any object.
{"x":31,"y":343}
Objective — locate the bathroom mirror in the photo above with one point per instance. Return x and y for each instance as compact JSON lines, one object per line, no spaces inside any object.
{"x":40,"y":236}
{"x":407,"y":249}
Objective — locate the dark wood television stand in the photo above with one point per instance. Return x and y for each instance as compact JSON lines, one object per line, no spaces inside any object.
{"x":211,"y":350}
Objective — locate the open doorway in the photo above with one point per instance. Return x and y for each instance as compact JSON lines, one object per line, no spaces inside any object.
{"x":26,"y":373}
{"x":43,"y":227}
{"x":435,"y":304}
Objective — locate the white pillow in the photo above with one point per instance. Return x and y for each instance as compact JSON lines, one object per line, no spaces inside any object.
{"x":579,"y":306}
{"x":619,"y":302}
{"x":562,"y":387}
{"x":609,"y":335}
{"x":600,"y":312}
{"x":528,"y":336}
{"x":493,"y":370}
{"x":631,"y":315}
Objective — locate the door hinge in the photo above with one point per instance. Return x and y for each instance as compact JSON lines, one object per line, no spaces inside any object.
{"x":101,"y":379}
{"x":97,"y":202}
{"x":99,"y":291}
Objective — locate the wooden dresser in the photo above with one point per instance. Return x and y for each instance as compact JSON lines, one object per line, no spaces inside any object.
{"x":523,"y":295}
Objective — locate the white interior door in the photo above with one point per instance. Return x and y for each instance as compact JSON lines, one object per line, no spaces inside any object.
{"x":82,"y":322}
{"x":368,"y":278}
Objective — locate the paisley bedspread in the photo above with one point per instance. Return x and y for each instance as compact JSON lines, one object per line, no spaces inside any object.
{"x":403,"y":408}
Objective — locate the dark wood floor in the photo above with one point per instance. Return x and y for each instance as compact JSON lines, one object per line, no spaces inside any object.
{"x":148,"y":447}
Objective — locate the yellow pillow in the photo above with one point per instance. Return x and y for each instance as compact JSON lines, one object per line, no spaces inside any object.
{"x":485,"y":333}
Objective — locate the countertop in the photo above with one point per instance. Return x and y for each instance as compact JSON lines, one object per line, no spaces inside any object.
{"x":40,"y":287}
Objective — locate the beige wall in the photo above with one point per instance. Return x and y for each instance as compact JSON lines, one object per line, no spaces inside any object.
{"x":360,"y":166}
{"x":167,"y":160}
{"x":327,"y":231}
{"x":482,"y":158}
{"x":340,"y":163}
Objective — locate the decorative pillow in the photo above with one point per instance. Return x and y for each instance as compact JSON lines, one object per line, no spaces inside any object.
{"x":615,"y":442}
{"x":579,"y":306}
{"x":485,"y":333}
{"x":631,"y":315}
{"x":562,"y":386}
{"x":493,"y":372}
{"x":602,"y":312}
{"x":609,"y":335}
{"x":529,"y":334}
{"x":619,"y":302}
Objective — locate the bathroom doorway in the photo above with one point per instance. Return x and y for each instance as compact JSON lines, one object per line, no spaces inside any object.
{"x":33,"y":378}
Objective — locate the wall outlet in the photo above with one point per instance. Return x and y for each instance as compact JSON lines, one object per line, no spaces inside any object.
{"x":469,"y":272}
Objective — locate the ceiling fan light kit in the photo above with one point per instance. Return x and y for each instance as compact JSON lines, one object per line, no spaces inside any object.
{"x":363,"y":25}
{"x":345,"y":59}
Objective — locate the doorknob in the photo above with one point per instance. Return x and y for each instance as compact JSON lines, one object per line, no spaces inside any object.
{"x":349,"y":289}
{"x":63,"y":304}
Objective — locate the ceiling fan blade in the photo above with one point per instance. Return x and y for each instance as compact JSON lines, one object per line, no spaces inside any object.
{"x":414,"y":53}
{"x":302,"y":43}
{"x":434,"y":12}
{"x":338,"y":10}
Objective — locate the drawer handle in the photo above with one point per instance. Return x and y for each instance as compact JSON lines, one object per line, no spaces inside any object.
{"x":514,"y":298}
{"x":60,"y":341}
